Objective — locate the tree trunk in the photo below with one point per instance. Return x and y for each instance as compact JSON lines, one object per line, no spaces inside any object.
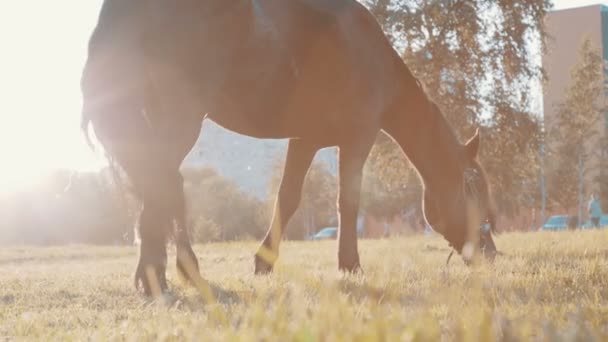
{"x":580,"y":189}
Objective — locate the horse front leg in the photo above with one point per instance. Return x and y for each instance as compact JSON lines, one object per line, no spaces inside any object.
{"x":352,"y":159}
{"x":186,"y":260}
{"x":299,"y":157}
{"x":156,"y":187}
{"x":153,"y":231}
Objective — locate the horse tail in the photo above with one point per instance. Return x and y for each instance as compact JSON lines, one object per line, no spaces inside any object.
{"x":85,"y":121}
{"x":86,"y":115}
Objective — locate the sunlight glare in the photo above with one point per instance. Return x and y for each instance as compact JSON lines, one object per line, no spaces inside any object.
{"x":43,"y":52}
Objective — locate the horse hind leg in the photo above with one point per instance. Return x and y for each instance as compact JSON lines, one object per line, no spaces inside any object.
{"x":186,"y":260}
{"x":154,"y":228}
{"x":164,"y":213}
{"x":299,"y":157}
{"x":352,"y":158}
{"x":151,"y":159}
{"x":139,"y":157}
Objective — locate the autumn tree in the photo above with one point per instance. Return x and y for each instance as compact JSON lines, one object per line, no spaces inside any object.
{"x":476,"y":60}
{"x":218,"y":210}
{"x":603,"y":174}
{"x":575,"y":144}
{"x":390,"y":185}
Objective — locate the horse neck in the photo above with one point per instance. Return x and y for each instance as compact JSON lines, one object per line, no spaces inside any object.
{"x":424,"y":135}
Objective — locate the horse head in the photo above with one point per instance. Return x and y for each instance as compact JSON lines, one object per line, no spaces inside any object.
{"x":463,"y":211}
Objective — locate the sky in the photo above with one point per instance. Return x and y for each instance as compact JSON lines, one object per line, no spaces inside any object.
{"x":563,"y":4}
{"x":42,"y":52}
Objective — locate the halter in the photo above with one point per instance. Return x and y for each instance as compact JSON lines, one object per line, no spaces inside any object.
{"x":471,"y":176}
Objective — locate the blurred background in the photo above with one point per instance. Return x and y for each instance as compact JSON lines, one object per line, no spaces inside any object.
{"x":530,"y":74}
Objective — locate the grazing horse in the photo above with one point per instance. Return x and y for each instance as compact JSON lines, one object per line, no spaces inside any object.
{"x":317,"y":72}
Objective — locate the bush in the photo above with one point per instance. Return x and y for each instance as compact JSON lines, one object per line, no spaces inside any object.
{"x":219,"y":210}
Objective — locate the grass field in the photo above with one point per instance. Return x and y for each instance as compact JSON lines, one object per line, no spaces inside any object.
{"x":546,"y":286}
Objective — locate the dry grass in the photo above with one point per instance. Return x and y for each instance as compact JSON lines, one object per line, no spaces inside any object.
{"x":547,"y":286}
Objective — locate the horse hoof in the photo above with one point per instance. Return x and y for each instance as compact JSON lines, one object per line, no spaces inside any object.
{"x":351,"y":269}
{"x":262,"y":267}
{"x":151,"y":280}
{"x":349,"y":262}
{"x":489,"y":255}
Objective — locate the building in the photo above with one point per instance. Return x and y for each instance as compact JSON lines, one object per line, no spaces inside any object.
{"x":566,"y":31}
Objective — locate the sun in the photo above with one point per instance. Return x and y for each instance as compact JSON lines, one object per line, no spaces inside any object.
{"x":43,"y":54}
{"x":31,"y":148}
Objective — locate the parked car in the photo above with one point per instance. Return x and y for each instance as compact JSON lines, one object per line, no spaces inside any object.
{"x":603,"y":223}
{"x":560,"y":222}
{"x":331,"y":233}
{"x":325,"y":234}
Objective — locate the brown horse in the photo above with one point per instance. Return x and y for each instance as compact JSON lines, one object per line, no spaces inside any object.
{"x":317,"y":72}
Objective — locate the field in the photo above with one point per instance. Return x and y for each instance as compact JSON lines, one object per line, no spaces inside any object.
{"x":545,"y":286}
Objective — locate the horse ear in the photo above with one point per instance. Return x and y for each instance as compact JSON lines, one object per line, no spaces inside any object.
{"x":472,"y":146}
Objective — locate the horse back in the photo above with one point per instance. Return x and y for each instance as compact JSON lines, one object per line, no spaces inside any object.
{"x":265,"y":68}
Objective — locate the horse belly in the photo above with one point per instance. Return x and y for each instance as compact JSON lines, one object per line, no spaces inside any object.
{"x":255,"y":96}
{"x":259,"y":113}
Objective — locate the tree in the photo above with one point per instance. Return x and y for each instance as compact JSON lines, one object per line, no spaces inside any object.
{"x":603,"y":174}
{"x":476,"y":58}
{"x":67,"y":207}
{"x":389,"y":183}
{"x":218,"y":210}
{"x":576,"y":144}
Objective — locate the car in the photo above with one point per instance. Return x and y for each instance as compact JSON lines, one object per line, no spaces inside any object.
{"x":560,"y":222}
{"x":603,"y":223}
{"x":325,"y":234}
{"x":331,"y":233}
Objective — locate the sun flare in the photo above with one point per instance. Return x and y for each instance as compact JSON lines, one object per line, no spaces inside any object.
{"x":43,"y":52}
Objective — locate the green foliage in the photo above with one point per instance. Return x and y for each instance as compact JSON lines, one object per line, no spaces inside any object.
{"x":219,"y":211}
{"x":532,"y":293}
{"x":574,"y":136}
{"x":317,"y":207}
{"x":476,"y":59}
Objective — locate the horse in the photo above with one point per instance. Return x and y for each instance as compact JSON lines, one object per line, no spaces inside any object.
{"x":319,"y":73}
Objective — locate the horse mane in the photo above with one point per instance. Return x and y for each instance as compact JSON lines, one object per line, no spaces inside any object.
{"x":444,"y":129}
{"x":85,"y":121}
